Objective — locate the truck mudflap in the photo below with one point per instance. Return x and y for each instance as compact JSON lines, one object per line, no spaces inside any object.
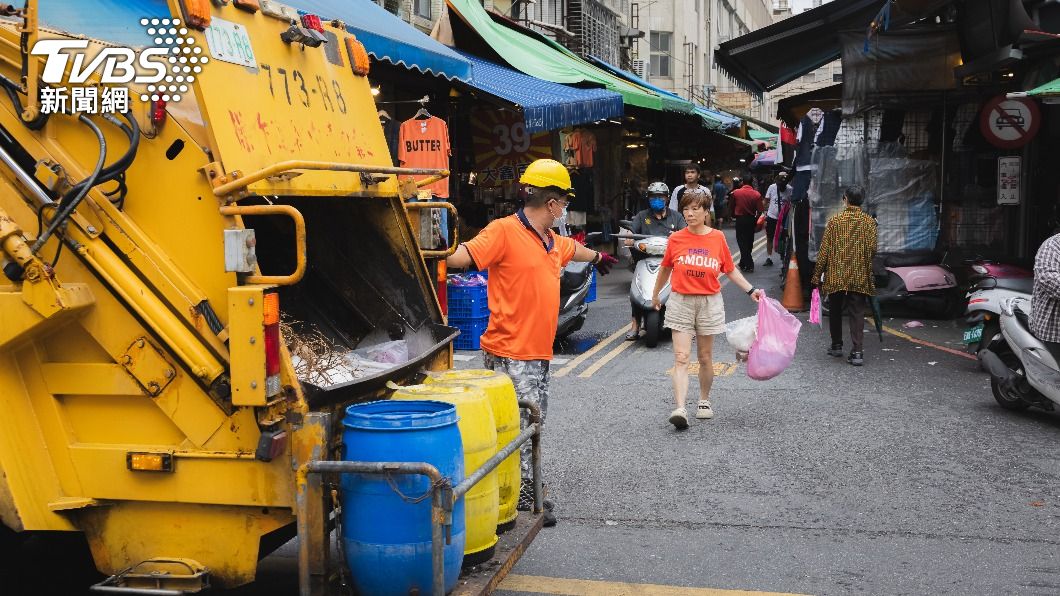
{"x":435,"y":339}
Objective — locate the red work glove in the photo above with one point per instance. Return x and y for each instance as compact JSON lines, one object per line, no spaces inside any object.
{"x":606,"y":263}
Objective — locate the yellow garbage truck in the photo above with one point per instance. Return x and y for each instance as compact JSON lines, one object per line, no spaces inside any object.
{"x":202,"y":241}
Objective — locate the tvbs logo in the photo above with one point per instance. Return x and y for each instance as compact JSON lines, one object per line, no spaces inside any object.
{"x":164,"y":70}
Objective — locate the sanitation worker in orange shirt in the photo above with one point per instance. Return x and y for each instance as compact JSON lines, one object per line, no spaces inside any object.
{"x":525,"y":261}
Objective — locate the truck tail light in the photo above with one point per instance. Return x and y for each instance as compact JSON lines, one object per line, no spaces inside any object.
{"x":197,"y":13}
{"x":158,"y":112}
{"x":312,"y":21}
{"x":358,"y":56}
{"x":272,"y":344}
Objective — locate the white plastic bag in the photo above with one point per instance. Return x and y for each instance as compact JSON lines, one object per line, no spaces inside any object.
{"x":741,"y":333}
{"x":391,"y":352}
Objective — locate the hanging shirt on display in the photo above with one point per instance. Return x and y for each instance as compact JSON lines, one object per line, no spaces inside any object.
{"x":424,"y":143}
{"x":583,"y":144}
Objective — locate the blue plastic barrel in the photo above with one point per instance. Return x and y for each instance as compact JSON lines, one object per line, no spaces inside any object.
{"x":387,"y":536}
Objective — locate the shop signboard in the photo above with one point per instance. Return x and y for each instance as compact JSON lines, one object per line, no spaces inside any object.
{"x":1008,"y":180}
{"x":1010,"y":123}
{"x":503,"y":148}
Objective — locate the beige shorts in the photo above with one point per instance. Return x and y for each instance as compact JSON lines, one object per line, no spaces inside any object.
{"x":696,"y":314}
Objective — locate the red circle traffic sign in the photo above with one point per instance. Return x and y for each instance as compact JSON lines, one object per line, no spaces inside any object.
{"x":1010,"y":123}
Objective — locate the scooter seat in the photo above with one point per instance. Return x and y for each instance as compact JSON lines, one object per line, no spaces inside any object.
{"x":574,"y":275}
{"x":911,"y":259}
{"x":1023,"y":285}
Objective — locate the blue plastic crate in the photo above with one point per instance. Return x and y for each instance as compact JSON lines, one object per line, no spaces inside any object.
{"x":471,"y":331}
{"x":467,"y":302}
{"x":591,"y":296}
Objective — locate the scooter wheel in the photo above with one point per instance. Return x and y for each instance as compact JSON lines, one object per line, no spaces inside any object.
{"x":652,"y":328}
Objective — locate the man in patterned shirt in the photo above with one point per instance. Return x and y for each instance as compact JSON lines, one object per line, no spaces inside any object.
{"x":1045,"y":305}
{"x":845,"y":260}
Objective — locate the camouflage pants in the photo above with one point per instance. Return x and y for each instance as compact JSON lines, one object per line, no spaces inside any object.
{"x":530,"y":378}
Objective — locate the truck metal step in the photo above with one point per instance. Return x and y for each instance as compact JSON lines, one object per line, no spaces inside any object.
{"x":157,"y":577}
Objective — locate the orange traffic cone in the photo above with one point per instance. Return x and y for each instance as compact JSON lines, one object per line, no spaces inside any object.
{"x":792,"y":299}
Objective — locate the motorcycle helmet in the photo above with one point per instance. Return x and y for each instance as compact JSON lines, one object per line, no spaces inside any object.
{"x":658,"y":188}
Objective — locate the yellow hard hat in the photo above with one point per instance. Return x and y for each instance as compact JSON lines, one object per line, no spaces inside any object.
{"x":544,"y":173}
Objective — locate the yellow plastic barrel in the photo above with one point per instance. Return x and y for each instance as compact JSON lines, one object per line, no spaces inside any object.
{"x":478,"y":432}
{"x":501,"y":393}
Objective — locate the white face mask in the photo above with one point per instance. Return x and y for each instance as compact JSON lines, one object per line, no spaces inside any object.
{"x":561,"y":221}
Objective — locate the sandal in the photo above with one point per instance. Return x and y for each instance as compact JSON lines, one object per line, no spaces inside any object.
{"x":632,"y":335}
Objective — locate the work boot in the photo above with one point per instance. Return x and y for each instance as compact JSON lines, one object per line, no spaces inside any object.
{"x":679,"y":418}
{"x":768,"y":263}
{"x":856,"y":358}
{"x":836,"y":350}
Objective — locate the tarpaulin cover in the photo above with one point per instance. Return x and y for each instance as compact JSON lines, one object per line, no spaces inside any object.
{"x":899,"y":62}
{"x":388,"y":38}
{"x":545,"y":105}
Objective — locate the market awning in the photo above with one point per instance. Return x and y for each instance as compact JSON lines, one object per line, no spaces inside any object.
{"x":545,"y":59}
{"x":782,"y":52}
{"x":115,"y":21}
{"x":545,"y":105}
{"x":753,"y":145}
{"x":1049,"y":92}
{"x":389,"y":39}
{"x":713,"y":119}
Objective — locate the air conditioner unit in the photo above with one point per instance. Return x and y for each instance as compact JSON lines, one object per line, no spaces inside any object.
{"x":638,"y":68}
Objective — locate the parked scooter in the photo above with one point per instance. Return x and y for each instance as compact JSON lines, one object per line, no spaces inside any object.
{"x":983,"y":310}
{"x":916,"y":282}
{"x":1023,"y":372}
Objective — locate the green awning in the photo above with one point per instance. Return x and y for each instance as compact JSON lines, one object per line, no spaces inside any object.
{"x":753,"y":145}
{"x":546,"y":59}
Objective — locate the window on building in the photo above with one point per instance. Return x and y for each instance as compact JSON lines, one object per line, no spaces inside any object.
{"x":837,"y":77}
{"x":422,"y":8}
{"x":662,"y":47}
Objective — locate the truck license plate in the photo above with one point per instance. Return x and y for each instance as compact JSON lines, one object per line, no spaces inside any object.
{"x":230,"y":42}
{"x":974,"y":335}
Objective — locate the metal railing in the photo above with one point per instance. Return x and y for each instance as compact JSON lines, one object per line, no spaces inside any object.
{"x":443,"y":495}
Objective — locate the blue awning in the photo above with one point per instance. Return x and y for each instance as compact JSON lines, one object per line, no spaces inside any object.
{"x":388,"y":38}
{"x":113,"y":21}
{"x":545,"y":105}
{"x":713,"y":118}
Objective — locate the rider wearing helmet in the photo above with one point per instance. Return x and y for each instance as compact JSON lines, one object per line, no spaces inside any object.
{"x":524,"y":259}
{"x":656,"y":220}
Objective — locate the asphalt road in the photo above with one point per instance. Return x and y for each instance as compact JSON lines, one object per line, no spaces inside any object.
{"x":900,"y":477}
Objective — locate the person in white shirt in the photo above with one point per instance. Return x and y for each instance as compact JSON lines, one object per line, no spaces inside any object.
{"x":777,"y":193}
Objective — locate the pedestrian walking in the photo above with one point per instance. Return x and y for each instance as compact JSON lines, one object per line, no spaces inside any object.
{"x":721,"y":203}
{"x":656,"y":220}
{"x":1045,"y":303}
{"x":845,"y":261}
{"x":524,"y":259}
{"x":779,"y":192}
{"x":747,"y":205}
{"x":692,"y":174}
{"x":695,"y":258}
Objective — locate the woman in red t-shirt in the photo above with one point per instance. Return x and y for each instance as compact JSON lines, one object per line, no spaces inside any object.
{"x":696,"y":257}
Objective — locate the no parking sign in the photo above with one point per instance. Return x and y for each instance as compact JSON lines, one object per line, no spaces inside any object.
{"x":1010,"y":123}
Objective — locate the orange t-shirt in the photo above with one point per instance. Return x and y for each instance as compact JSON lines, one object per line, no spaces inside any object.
{"x":424,"y":143}
{"x":697,"y":261}
{"x":523,"y":287}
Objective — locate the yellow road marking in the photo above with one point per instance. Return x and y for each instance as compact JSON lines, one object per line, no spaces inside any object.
{"x":922,"y":342}
{"x":721,"y":369}
{"x":585,"y":587}
{"x":566,"y":370}
{"x":607,"y":358}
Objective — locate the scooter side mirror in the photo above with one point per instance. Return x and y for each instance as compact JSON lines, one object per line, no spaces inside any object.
{"x":625,"y":223}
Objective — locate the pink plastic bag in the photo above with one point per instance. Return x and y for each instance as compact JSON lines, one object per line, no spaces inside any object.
{"x":815,"y":307}
{"x":774,"y":348}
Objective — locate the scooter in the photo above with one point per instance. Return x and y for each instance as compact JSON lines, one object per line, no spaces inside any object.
{"x":982,"y":315}
{"x":1023,"y":372}
{"x":574,"y":285}
{"x":916,"y":282}
{"x":647,"y":252}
